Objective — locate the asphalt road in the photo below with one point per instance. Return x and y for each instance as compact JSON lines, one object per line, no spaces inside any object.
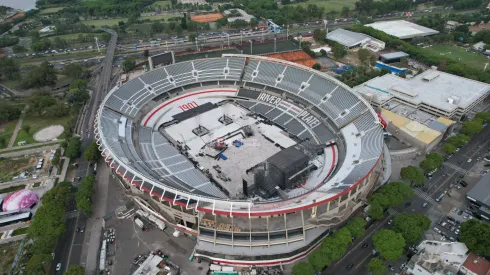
{"x":69,"y":248}
{"x":454,"y":167}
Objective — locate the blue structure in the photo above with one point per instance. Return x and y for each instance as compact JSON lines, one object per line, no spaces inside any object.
{"x":343,"y":69}
{"x":393,"y":69}
{"x":273,"y":27}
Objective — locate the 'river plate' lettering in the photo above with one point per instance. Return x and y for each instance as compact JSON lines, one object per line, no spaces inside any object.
{"x":309,"y":119}
{"x":267,"y":98}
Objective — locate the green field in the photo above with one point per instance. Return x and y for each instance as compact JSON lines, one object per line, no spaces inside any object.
{"x":36,"y":124}
{"x":6,"y":131}
{"x":459,"y":54}
{"x":50,"y":10}
{"x":7,"y":255}
{"x":10,"y":167}
{"x":70,"y":36}
{"x":159,"y":17}
{"x":36,"y":184}
{"x":12,"y":189}
{"x":335,"y":5}
{"x":162,"y":4}
{"x":20,"y":231}
{"x":104,"y":22}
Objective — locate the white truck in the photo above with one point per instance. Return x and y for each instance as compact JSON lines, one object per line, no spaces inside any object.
{"x":139,"y":223}
{"x":159,"y":223}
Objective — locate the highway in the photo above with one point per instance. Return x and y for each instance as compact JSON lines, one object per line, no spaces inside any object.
{"x":69,"y":247}
{"x":441,"y":180}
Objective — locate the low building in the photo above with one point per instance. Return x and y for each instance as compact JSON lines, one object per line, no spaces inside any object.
{"x":393,"y":57}
{"x":402,"y":29}
{"x":415,"y":127}
{"x":475,"y":265}
{"x":451,"y":25}
{"x":351,"y":40}
{"x":237,"y":14}
{"x":480,"y":46}
{"x":434,"y":92}
{"x":151,"y":266}
{"x":479,"y":198}
{"x":437,"y":258}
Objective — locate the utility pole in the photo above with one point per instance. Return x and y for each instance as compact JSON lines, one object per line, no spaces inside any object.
{"x":97,"y":43}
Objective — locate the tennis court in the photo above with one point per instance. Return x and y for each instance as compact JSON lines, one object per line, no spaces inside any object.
{"x":298,"y":57}
{"x":206,"y":18}
{"x":268,"y":47}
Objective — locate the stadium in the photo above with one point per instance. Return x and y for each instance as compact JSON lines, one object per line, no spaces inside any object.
{"x":258,"y":158}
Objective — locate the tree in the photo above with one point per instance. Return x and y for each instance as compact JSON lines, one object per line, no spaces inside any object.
{"x":84,"y":204}
{"x":73,"y":150}
{"x":317,"y":260}
{"x":192,"y":37}
{"x":26,"y":128}
{"x":56,"y":158}
{"x":485,"y":116}
{"x":389,"y":244}
{"x":356,"y":227}
{"x":411,"y":226}
{"x":472,"y":127}
{"x":84,"y":195}
{"x":302,"y":268}
{"x":79,"y":84}
{"x":146,"y":53}
{"x":317,"y":66}
{"x":9,"y":67}
{"x":345,"y":12}
{"x":319,"y":35}
{"x":376,"y":266}
{"x":449,"y":148}
{"x":129,"y":64}
{"x":412,"y":174}
{"x":19,"y":49}
{"x":77,"y":96}
{"x":391,"y":194}
{"x":92,"y":153}
{"x":431,"y":162}
{"x":36,"y":264}
{"x":323,"y":52}
{"x":338,"y":50}
{"x":40,"y":76}
{"x":75,"y":270}
{"x":375,"y":211}
{"x":458,"y":140}
{"x":254,"y":22}
{"x":76,"y":71}
{"x":476,"y":236}
{"x":364,"y":56}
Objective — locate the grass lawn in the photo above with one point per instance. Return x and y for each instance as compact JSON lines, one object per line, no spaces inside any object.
{"x":7,"y":255}
{"x":70,"y":36}
{"x":6,"y":131}
{"x":104,"y":22}
{"x":50,"y":10}
{"x":12,"y":189}
{"x":20,"y":231}
{"x":454,"y":53}
{"x":159,"y":17}
{"x":162,"y":4}
{"x":36,"y":124}
{"x":330,"y":5}
{"x":36,"y":184}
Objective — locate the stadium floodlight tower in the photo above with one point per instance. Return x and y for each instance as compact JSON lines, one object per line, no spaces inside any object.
{"x":258,"y":158}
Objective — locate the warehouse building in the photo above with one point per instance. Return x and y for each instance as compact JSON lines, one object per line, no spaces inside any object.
{"x":352,"y":40}
{"x":402,"y":29}
{"x":480,"y":199}
{"x":437,"y":93}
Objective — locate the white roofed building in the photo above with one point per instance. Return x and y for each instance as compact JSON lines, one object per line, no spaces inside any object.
{"x":432,"y":91}
{"x":351,"y":40}
{"x":437,"y":258}
{"x":402,"y":29}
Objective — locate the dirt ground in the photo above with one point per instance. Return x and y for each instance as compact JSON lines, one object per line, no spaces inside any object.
{"x":479,"y":27}
{"x":7,"y":255}
{"x":10,"y":167}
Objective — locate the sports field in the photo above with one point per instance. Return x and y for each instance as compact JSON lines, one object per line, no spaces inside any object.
{"x":206,"y":18}
{"x":50,"y":10}
{"x":298,"y":57}
{"x":161,"y":4}
{"x":104,"y":22}
{"x":330,"y":5}
{"x":264,"y":48}
{"x":459,"y":54}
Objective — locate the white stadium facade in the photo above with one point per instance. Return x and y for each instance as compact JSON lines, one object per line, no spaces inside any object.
{"x":258,"y":158}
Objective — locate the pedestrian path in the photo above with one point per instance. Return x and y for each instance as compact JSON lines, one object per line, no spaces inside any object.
{"x":425,"y":196}
{"x":455,"y":167}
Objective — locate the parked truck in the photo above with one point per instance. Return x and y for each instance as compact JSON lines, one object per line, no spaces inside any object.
{"x":159,"y":223}
{"x":140,"y":224}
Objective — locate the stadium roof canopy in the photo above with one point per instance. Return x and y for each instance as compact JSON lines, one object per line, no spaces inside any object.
{"x":347,"y":38}
{"x":402,"y":29}
{"x":433,"y":88}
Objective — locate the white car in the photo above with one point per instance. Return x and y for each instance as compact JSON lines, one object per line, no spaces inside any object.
{"x":469,"y":160}
{"x":58,"y":267}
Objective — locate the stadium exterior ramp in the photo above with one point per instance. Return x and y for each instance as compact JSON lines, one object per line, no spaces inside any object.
{"x":245,"y":231}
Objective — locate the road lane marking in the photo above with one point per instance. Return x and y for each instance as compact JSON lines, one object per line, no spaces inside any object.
{"x":363,"y":260}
